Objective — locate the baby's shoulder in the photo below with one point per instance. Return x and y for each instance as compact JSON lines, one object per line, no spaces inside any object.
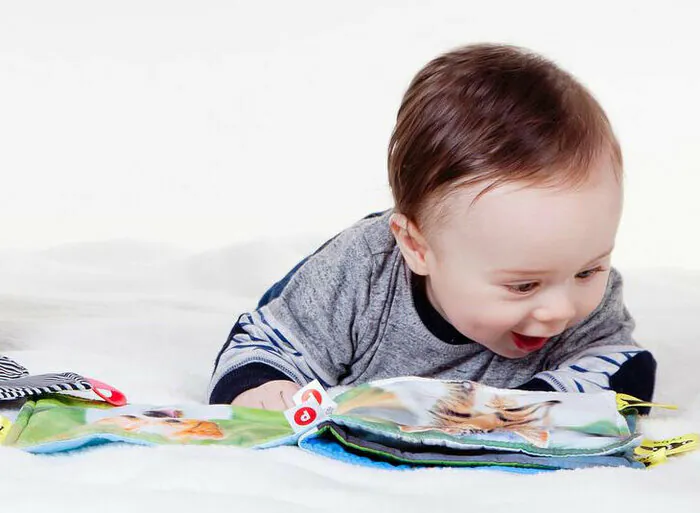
{"x":376,"y":234}
{"x":367,"y":244}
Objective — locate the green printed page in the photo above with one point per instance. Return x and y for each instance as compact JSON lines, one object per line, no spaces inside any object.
{"x":464,"y":414}
{"x":59,"y":419}
{"x":402,"y":413}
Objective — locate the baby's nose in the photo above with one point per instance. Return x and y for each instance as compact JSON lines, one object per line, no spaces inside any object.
{"x":557,"y":309}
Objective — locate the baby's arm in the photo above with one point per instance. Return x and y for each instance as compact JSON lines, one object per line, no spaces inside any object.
{"x":308,"y":332}
{"x":600,"y":353}
{"x":273,"y":395}
{"x":256,"y":353}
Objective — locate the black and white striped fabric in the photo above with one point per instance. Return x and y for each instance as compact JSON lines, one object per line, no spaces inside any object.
{"x":10,"y":369}
{"x":15,"y":381}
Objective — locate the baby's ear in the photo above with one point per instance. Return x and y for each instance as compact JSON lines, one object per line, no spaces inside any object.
{"x":411,"y":242}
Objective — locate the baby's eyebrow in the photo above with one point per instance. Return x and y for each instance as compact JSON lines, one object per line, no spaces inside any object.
{"x":600,"y":257}
{"x":522,"y":272}
{"x":540,"y":272}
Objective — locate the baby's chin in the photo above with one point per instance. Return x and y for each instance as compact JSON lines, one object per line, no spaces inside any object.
{"x":511,"y":354}
{"x":504,"y":347}
{"x":507,"y":350}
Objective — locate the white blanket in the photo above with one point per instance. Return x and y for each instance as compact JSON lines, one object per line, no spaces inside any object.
{"x":150,"y":321}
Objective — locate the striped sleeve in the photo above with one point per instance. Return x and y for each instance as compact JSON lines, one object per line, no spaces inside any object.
{"x":256,"y":352}
{"x":624,"y":369}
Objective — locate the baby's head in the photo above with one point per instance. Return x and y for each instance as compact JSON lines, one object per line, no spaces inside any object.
{"x":507,"y":184}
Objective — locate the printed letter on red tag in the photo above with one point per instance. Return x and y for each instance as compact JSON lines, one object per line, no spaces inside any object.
{"x":304,"y":416}
{"x":315,"y":391}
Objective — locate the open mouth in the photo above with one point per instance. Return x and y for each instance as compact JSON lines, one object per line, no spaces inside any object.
{"x":525,"y":343}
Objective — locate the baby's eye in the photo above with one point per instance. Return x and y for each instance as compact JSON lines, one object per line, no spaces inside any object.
{"x":589,"y":273}
{"x":523,"y":288}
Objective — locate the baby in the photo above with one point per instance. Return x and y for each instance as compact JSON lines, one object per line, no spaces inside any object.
{"x":492,"y":266}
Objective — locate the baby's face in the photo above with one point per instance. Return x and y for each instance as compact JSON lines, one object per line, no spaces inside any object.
{"x":522,"y":264}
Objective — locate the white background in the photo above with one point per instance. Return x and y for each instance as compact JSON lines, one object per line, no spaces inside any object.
{"x":203,"y":124}
{"x":182,"y":155}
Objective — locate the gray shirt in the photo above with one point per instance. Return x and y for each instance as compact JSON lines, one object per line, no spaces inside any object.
{"x":348,"y":316}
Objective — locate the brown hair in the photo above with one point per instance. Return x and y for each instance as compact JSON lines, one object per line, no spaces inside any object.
{"x":493,"y":113}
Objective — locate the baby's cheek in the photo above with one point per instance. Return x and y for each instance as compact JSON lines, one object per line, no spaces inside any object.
{"x":485,"y":323}
{"x":502,"y":318}
{"x":590,"y":302}
{"x":472,"y":308}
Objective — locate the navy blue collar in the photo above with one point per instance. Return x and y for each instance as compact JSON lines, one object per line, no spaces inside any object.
{"x":431,"y":318}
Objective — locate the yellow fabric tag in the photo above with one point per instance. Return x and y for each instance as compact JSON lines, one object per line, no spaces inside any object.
{"x":5,"y":425}
{"x":652,"y":459}
{"x":625,"y":402}
{"x":653,"y":452}
{"x":677,"y":445}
